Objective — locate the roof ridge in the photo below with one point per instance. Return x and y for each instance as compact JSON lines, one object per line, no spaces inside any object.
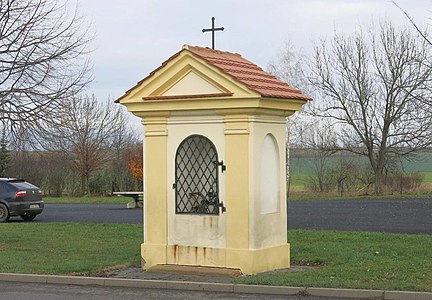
{"x":215,"y":51}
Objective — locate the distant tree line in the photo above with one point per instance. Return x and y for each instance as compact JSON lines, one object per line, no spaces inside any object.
{"x":345,"y":174}
{"x":89,"y":152}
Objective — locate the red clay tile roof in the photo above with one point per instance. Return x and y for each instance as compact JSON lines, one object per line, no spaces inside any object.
{"x":248,"y":73}
{"x":240,"y":69}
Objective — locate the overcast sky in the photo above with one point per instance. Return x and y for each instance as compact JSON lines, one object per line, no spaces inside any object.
{"x":133,"y":37}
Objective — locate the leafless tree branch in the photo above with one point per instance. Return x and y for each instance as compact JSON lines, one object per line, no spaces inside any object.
{"x":87,"y":133}
{"x":413,"y":23}
{"x":43,"y":61}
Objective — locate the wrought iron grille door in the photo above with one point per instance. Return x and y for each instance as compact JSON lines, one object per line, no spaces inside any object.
{"x":196,"y":177}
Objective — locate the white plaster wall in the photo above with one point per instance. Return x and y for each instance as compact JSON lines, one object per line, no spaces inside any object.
{"x":195,"y":230}
{"x":268,"y":227}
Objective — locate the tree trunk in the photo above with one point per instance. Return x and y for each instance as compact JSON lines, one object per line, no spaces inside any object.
{"x":83,"y":185}
{"x":379,"y":180}
{"x":87,"y":185}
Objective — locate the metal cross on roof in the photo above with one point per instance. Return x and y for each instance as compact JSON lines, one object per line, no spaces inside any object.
{"x":213,"y":29}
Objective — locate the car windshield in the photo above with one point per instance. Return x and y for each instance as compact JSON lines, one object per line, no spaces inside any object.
{"x":22,"y":185}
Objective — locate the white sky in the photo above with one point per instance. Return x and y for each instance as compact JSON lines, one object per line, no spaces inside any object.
{"x":133,"y":37}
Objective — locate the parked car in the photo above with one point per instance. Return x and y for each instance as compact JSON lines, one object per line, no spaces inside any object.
{"x":19,"y":198}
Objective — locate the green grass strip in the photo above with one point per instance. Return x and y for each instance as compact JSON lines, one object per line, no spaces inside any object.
{"x":359,"y":260}
{"x":107,"y":200}
{"x":307,"y":197}
{"x":67,"y":248}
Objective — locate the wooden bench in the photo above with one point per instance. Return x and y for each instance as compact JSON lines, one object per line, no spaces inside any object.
{"x":137,"y":203}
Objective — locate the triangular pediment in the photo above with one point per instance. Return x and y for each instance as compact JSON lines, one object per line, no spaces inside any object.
{"x":192,"y":84}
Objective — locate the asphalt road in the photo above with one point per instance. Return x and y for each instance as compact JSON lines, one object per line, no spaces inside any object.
{"x":32,"y":291}
{"x":90,"y":213}
{"x":387,"y":215}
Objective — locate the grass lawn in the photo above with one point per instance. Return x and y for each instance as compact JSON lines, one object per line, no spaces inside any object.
{"x":113,"y":199}
{"x":307,"y":197}
{"x":356,"y":260}
{"x":56,"y":248}
{"x":342,"y":259}
{"x":427,"y":177}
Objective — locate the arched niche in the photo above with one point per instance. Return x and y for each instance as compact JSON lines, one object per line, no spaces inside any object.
{"x":270,"y":176}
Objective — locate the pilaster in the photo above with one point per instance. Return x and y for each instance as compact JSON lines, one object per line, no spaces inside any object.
{"x":237,"y":181}
{"x":155,"y":192}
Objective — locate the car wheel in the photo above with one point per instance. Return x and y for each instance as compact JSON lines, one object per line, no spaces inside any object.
{"x":4,"y":213}
{"x":28,"y":217}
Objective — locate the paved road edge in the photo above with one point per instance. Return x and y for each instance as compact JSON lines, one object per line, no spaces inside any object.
{"x":216,"y":287}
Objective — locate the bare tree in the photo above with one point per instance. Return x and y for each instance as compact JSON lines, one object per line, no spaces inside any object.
{"x":376,"y":88}
{"x":43,"y":61}
{"x":124,"y":142}
{"x":422,"y":33}
{"x":318,"y":137}
{"x":4,"y":156}
{"x":87,"y":134}
{"x":291,"y":66}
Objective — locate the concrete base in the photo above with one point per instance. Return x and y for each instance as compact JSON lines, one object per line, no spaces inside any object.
{"x":249,"y":261}
{"x":196,"y":270}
